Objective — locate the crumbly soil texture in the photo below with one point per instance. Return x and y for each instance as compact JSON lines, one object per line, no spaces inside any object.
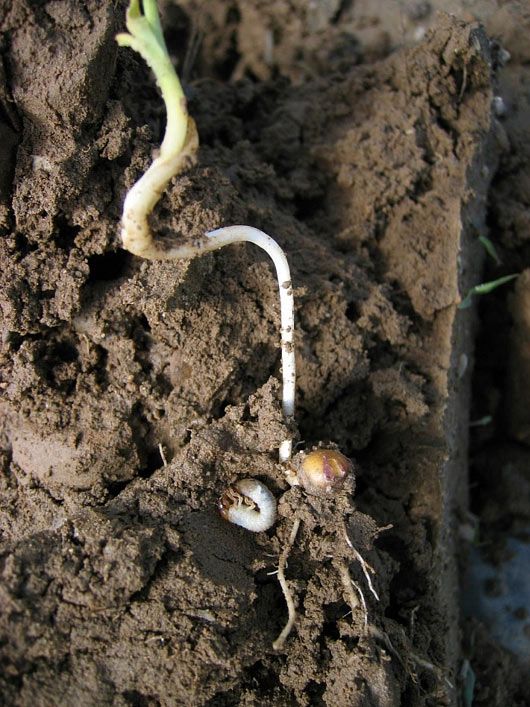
{"x":134,"y":392}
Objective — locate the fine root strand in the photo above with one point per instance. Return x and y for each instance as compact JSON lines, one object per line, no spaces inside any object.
{"x":366,"y":568}
{"x":348,"y":584}
{"x":162,"y":454}
{"x":291,"y":610}
{"x":363,"y":603}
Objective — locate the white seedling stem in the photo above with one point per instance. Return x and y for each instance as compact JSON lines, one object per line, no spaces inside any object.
{"x":213,"y":240}
{"x":178,"y":146}
{"x":180,"y":138}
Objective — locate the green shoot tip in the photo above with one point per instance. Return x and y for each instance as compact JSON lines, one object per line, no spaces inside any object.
{"x":484,"y":289}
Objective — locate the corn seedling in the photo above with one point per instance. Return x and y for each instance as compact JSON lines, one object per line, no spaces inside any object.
{"x":482,"y":421}
{"x":484,"y":289}
{"x":248,"y":502}
{"x":179,"y":145}
{"x":180,"y":139}
{"x":490,"y":249}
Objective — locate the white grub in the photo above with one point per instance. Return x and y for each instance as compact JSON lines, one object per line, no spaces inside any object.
{"x":249,"y":504}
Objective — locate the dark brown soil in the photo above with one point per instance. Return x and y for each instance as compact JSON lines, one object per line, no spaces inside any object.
{"x":500,"y":456}
{"x":371,"y":165}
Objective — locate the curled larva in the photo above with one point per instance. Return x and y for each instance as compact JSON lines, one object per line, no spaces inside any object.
{"x":250,"y":504}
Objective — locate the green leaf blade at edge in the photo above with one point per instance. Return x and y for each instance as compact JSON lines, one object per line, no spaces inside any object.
{"x":490,"y":249}
{"x":485,"y":288}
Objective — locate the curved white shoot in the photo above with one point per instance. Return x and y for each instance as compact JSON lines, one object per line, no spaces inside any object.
{"x":180,"y":138}
{"x":178,"y":147}
{"x":213,"y":240}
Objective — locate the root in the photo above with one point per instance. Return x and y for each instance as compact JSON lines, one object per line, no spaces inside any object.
{"x":385,"y":638}
{"x":411,"y":658}
{"x":351,"y":598}
{"x":438,"y":672}
{"x":366,"y":568}
{"x":162,"y":454}
{"x":291,"y":610}
{"x":363,"y":602}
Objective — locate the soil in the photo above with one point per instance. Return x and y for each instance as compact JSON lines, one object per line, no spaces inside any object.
{"x":134,"y":392}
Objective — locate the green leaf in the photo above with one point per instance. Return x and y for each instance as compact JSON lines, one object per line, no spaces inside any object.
{"x":484,"y":289}
{"x":482,"y":421}
{"x":490,"y":249}
{"x":468,"y":683}
{"x":145,"y":37}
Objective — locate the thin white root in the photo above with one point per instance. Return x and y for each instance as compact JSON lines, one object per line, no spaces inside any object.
{"x":383,"y":529}
{"x":385,"y":638}
{"x":433,"y":668}
{"x":418,"y":660}
{"x":412,"y":622}
{"x":363,"y":602}
{"x":162,"y":454}
{"x":291,"y":610}
{"x":351,"y":597}
{"x":366,"y":568}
